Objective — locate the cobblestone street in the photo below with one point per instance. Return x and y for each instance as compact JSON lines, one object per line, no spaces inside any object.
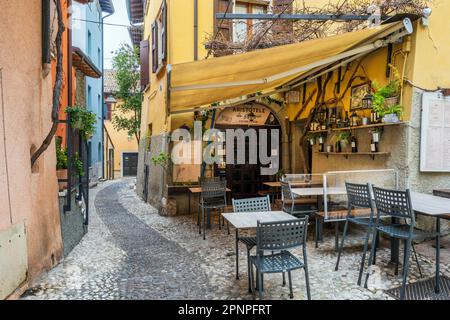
{"x":130,"y":252}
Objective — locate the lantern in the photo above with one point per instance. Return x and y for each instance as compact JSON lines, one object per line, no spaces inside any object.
{"x":367,"y":101}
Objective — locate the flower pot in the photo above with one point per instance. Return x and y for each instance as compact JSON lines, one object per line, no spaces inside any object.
{"x":376,"y":137}
{"x":365,"y":121}
{"x":389,"y":102}
{"x":321,"y":140}
{"x":62,"y":175}
{"x":312,"y":141}
{"x":391,"y":118}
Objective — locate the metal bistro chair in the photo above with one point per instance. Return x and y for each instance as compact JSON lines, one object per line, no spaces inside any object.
{"x":293,"y":204}
{"x":360,"y":212}
{"x":261,"y":204}
{"x":213,"y":197}
{"x":280,"y":236}
{"x":397,"y":204}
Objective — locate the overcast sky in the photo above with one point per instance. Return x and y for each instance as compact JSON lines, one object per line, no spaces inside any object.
{"x":115,"y":35}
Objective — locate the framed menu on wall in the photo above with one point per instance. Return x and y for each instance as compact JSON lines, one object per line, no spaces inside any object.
{"x":435,"y":134}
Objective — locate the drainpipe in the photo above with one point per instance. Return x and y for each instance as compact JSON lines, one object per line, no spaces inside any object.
{"x":195,"y":30}
{"x":68,"y":205}
{"x":103,"y":93}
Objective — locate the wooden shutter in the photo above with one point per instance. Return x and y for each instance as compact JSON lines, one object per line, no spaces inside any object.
{"x":145,"y":67}
{"x":164,"y":31}
{"x":283,"y":26}
{"x":154,"y":47}
{"x":223,"y":27}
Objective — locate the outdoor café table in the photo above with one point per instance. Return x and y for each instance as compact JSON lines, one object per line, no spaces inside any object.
{"x":249,"y":220}
{"x":432,"y":206}
{"x":198,"y":190}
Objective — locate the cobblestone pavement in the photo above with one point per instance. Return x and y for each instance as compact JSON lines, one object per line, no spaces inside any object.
{"x":131,"y":252}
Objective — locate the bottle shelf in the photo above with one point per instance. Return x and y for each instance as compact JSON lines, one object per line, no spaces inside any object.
{"x":368,"y":126}
{"x":347,"y":154}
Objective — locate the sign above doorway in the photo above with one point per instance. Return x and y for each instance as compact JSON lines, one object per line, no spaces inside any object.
{"x":247,"y":115}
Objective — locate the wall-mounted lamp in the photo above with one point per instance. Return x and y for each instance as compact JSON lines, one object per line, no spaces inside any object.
{"x":426,"y":13}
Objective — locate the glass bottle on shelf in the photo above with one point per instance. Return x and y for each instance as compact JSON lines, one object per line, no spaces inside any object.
{"x":373,"y":146}
{"x":354,"y":144}
{"x":333,"y":117}
{"x":337,"y":147}
{"x":346,"y":120}
{"x":354,"y":119}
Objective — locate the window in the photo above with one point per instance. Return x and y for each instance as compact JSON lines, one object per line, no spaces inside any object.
{"x":242,"y":29}
{"x":89,"y":98}
{"x":159,"y":39}
{"x":100,"y":109}
{"x":89,"y":44}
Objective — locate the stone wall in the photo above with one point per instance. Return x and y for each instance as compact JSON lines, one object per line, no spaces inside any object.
{"x":157,"y":180}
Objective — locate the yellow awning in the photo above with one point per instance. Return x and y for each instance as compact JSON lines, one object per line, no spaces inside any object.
{"x":201,"y":83}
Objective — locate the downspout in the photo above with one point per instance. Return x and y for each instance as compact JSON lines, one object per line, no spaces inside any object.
{"x":68,"y":205}
{"x":103,"y":93}
{"x":195,"y":30}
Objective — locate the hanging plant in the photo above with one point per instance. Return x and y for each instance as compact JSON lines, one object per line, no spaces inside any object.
{"x":83,"y":120}
{"x":61,"y":158}
{"x":77,"y":165}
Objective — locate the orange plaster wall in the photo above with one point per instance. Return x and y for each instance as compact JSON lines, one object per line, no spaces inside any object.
{"x":27,"y":120}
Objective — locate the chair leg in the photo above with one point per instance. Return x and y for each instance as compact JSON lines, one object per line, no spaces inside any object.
{"x":363,"y":258}
{"x":219,"y":212}
{"x":305,"y":260}
{"x":377,"y":242}
{"x":342,"y":245}
{"x":252,"y":285}
{"x":260,"y":281}
{"x":336,"y":236}
{"x":199,"y":214}
{"x":228,"y":228}
{"x":291,"y":293}
{"x":248,"y":265}
{"x":417,"y":260}
{"x":204,"y":223}
{"x":405,"y":269}
{"x":372,"y":252}
{"x":317,"y":232}
{"x":237,"y":255}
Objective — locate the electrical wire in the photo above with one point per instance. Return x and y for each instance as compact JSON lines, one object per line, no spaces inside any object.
{"x":4,"y":145}
{"x":105,"y":23}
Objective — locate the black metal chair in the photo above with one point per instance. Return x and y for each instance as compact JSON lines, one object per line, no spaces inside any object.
{"x":213,"y":197}
{"x":361,"y":213}
{"x":280,"y":236}
{"x":397,"y":204}
{"x":296,"y":205}
{"x":261,"y":204}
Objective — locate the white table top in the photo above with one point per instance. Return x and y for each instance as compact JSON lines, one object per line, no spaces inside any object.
{"x":430,"y":205}
{"x":318,"y":191}
{"x":248,"y":220}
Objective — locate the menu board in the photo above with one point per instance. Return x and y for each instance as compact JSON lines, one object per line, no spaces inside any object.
{"x":435,"y":137}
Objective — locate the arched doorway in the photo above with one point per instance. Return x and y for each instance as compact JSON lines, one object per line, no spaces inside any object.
{"x":246,"y":180}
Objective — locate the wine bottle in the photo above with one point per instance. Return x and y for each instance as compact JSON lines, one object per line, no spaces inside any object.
{"x":354,"y":144}
{"x":373,"y":146}
{"x":337,"y":147}
{"x":346,"y":120}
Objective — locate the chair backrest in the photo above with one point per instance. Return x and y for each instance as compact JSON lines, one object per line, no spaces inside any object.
{"x":260,"y":204}
{"x":286,"y":191}
{"x":281,"y":235}
{"x":359,"y":195}
{"x":202,"y":180}
{"x":214,"y":189}
{"x":394,"y":203}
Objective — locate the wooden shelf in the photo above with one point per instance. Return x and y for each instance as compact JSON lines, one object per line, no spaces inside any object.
{"x":376,"y":125}
{"x":347,"y":154}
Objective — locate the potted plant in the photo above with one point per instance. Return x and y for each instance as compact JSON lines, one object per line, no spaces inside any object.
{"x":376,"y":134}
{"x":342,"y":140}
{"x":77,"y":165}
{"x":61,"y":167}
{"x":386,"y":98}
{"x":311,"y":137}
{"x":83,"y":120}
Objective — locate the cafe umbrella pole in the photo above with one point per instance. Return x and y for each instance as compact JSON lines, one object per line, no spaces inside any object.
{"x":213,"y":120}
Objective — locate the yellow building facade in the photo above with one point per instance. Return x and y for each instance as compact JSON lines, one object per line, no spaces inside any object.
{"x":420,"y":58}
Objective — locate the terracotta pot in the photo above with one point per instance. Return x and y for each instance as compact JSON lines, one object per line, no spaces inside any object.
{"x":62,"y":175}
